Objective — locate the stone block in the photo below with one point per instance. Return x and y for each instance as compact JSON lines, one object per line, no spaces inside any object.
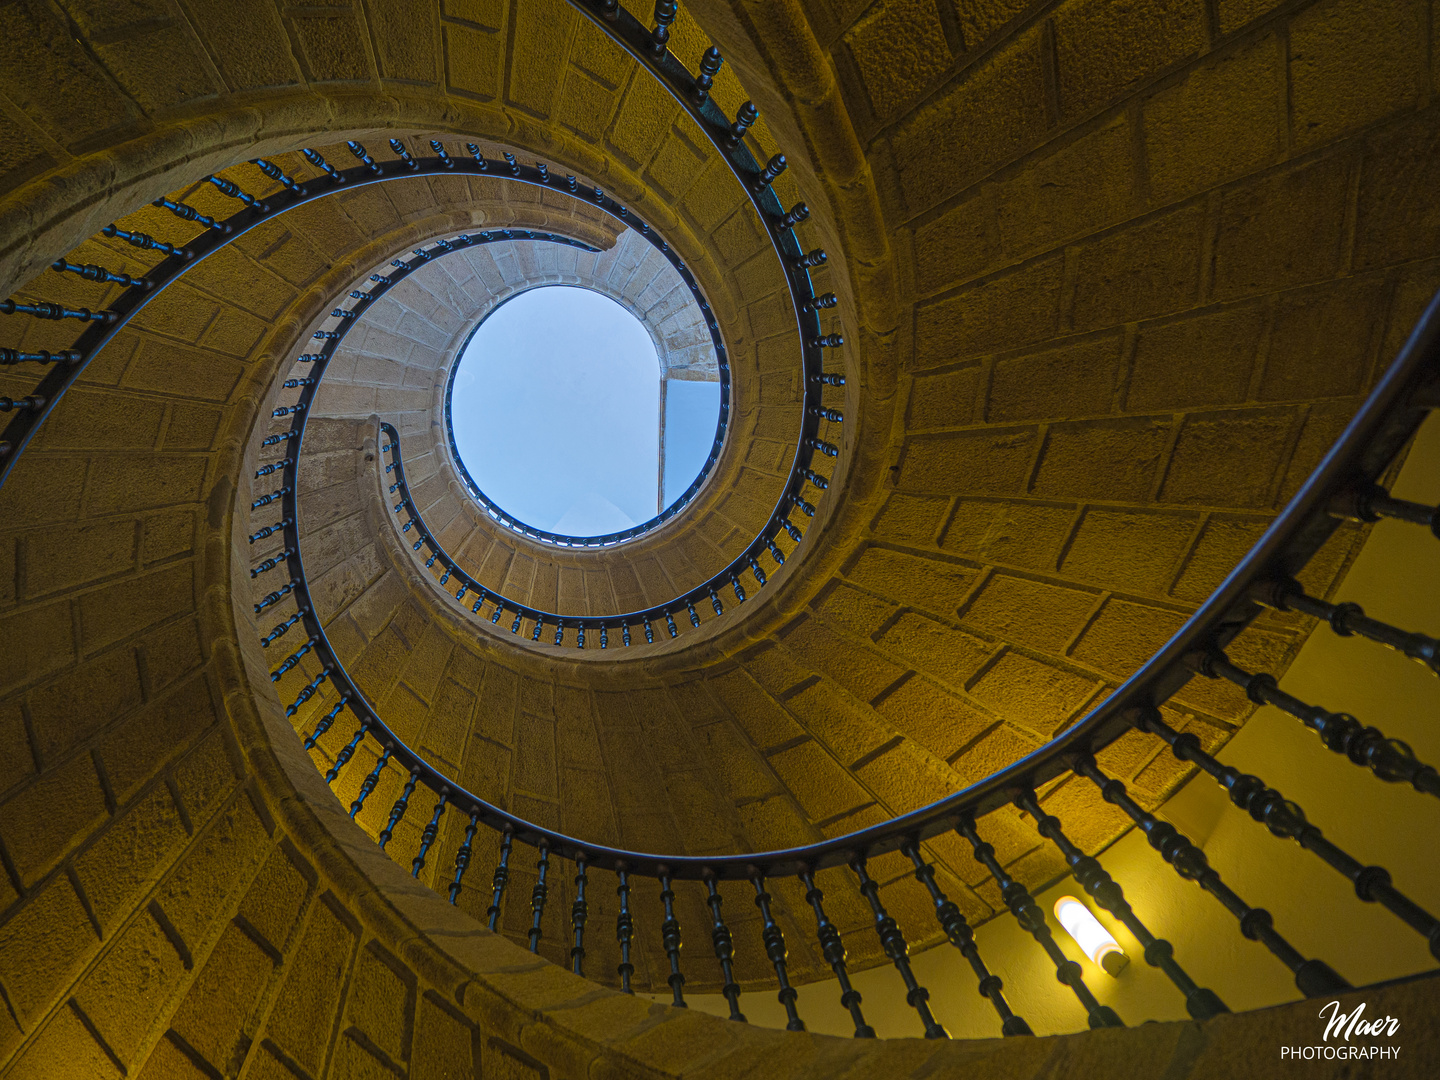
{"x":1032,"y":694}
{"x":382,"y":1001}
{"x":959,"y":244}
{"x":40,"y":947}
{"x":445,"y":1040}
{"x":1027,"y":612}
{"x":739,"y":769}
{"x":140,"y":745}
{"x":1236,"y":13}
{"x":1200,"y":360}
{"x":1321,"y":340}
{"x":535,"y":759}
{"x":1352,"y":63}
{"x":940,"y":722}
{"x":16,"y":759}
{"x":863,"y":672}
{"x":899,"y":49}
{"x":1228,"y":458}
{"x":1223,"y":120}
{"x":305,"y":1008}
{"x":1394,"y":220}
{"x":942,"y":399}
{"x":947,"y":654}
{"x":74,"y":707}
{"x":1103,"y":51}
{"x":35,"y":643}
{"x":168,"y":1062}
{"x":850,"y":731}
{"x":906,"y":778}
{"x":42,"y":490}
{"x":192,"y":427}
{"x":973,"y":126}
{"x":50,"y":76}
{"x":1323,"y":423}
{"x":1285,"y":229}
{"x":215,"y":1012}
{"x":1139,"y":272}
{"x":853,"y":610}
{"x":1252,"y":650}
{"x":1113,"y":460}
{"x":992,"y":461}
{"x":910,"y":518}
{"x":332,"y":46}
{"x":65,"y":1048}
{"x":210,"y":871}
{"x":1007,"y":311}
{"x":1021,"y":534}
{"x":204,"y":778}
{"x":155,"y":480}
{"x":1074,"y":380}
{"x":1223,"y":542}
{"x":123,"y":994}
{"x":50,"y":816}
{"x":116,"y":869}
{"x":275,"y":899}
{"x":119,"y":610}
{"x":1080,"y":188}
{"x":1128,"y":550}
{"x":96,"y":419}
{"x":930,"y":583}
{"x":1124,"y":635}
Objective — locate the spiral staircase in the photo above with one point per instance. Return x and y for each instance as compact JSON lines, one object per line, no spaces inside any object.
{"x":1072,"y":476}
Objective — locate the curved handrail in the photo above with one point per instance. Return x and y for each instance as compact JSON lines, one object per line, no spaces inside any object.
{"x":1384,"y":423}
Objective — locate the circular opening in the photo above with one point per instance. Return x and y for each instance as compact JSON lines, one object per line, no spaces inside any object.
{"x":564,"y":422}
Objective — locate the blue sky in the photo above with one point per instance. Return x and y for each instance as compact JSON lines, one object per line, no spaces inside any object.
{"x":555,"y":412}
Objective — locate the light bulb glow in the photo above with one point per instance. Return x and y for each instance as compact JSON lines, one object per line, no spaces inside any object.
{"x":1094,"y":940}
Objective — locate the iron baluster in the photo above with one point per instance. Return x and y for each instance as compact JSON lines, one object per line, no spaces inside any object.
{"x":670,"y":625}
{"x":368,"y":784}
{"x":91,"y":272}
{"x":1373,"y":502}
{"x":832,"y":947}
{"x":428,"y":834}
{"x":774,"y":940}
{"x":724,"y":948}
{"x":829,"y":378}
{"x":320,"y":163}
{"x":811,"y":259}
{"x":439,"y":150}
{"x":1389,"y":759}
{"x":145,"y":241}
{"x":790,"y":528}
{"x":274,"y":172}
{"x":796,"y":214}
{"x":1031,"y":919}
{"x":293,"y":659}
{"x":1200,"y":1002}
{"x":537,"y":896}
{"x":755,"y":569}
{"x":462,"y":857}
{"x":323,"y":724}
{"x":664,"y":16}
{"x":346,"y":753}
{"x":25,"y":404}
{"x":828,"y":449}
{"x":768,"y":175}
{"x":480,"y":161}
{"x":364,"y":157}
{"x":1286,"y":820}
{"x":308,"y":691}
{"x":579,"y":911}
{"x":709,"y":68}
{"x":40,"y":356}
{"x":670,"y":937}
{"x":510,"y":160}
{"x":398,"y":148}
{"x":896,"y":948}
{"x":739,"y":589}
{"x":744,"y":118}
{"x":47,"y":310}
{"x":275,"y":597}
{"x":958,"y":931}
{"x":624,"y":929}
{"x":398,"y":810}
{"x":189,"y":213}
{"x":272,"y":562}
{"x":775,"y":552}
{"x":820,"y":303}
{"x":280,"y":631}
{"x":694,"y":616}
{"x":1348,"y":619}
{"x":500,"y":878}
{"x":233,"y":190}
{"x":1314,"y":978}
